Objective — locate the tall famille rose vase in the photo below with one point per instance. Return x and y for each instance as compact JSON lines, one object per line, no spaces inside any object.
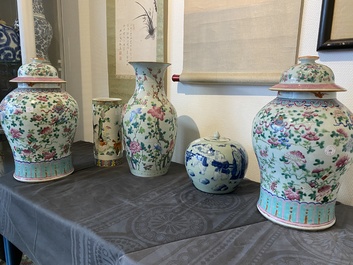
{"x":149,"y":122}
{"x":39,"y":121}
{"x":303,"y":140}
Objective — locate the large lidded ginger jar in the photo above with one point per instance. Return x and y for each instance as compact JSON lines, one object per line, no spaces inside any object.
{"x":39,"y":121}
{"x":303,"y":141}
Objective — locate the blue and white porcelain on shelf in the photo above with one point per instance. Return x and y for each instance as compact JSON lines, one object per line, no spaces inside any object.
{"x":216,"y":164}
{"x":43,"y":31}
{"x":10,"y":49}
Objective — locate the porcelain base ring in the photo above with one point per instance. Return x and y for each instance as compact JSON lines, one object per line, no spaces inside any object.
{"x":140,"y":173}
{"x":43,"y":171}
{"x":293,"y":225}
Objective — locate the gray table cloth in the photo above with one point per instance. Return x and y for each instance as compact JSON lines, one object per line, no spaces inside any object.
{"x":108,"y":216}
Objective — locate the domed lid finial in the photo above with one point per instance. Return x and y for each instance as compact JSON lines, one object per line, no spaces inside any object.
{"x":37,"y":72}
{"x":216,"y":135}
{"x":308,"y":76}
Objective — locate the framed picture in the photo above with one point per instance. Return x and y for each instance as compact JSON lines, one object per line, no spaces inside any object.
{"x":136,"y":31}
{"x":336,"y":25}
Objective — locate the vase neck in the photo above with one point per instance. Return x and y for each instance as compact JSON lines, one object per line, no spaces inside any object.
{"x":306,"y":95}
{"x":149,"y":76}
{"x":38,"y":7}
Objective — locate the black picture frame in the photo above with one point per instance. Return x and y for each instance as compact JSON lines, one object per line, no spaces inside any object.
{"x":324,"y":41}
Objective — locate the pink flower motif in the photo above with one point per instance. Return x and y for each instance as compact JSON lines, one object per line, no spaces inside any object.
{"x":42,"y":98}
{"x":46,"y":130}
{"x":49,"y":155}
{"x":54,"y":120}
{"x":295,"y":157}
{"x":312,"y":184}
{"x":263,"y":153}
{"x":156,"y":112}
{"x":268,"y":110}
{"x":273,"y":186}
{"x":26,"y":152}
{"x":66,"y":148}
{"x":36,"y":147}
{"x":15,"y":133}
{"x":339,"y":113}
{"x":274,"y":141}
{"x":67,"y":129}
{"x":323,"y":192}
{"x":342,"y":132}
{"x":37,"y":117}
{"x":18,"y":111}
{"x":342,"y":162}
{"x":317,"y":170}
{"x":311,"y":136}
{"x":2,"y":105}
{"x":291,"y":195}
{"x":309,"y":114}
{"x":324,"y":189}
{"x":258,"y":130}
{"x":135,"y":147}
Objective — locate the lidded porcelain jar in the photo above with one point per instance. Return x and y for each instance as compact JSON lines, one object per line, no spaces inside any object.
{"x":216,"y":164}
{"x":303,"y":141}
{"x":39,"y":121}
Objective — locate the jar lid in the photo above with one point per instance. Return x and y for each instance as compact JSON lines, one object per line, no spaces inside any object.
{"x":308,"y":76}
{"x":216,"y":138}
{"x":37,"y":72}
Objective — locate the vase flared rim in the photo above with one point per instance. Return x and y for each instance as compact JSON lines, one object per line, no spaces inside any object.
{"x":148,"y":62}
{"x":106,"y":99}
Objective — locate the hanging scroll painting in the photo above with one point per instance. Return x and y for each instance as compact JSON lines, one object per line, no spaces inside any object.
{"x":135,"y":31}
{"x":240,"y":41}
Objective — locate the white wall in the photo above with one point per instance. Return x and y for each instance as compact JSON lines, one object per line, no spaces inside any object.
{"x":85,"y":57}
{"x":202,"y":110}
{"x":231,"y":109}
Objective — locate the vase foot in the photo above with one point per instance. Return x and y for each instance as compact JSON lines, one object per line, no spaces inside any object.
{"x":109,"y":163}
{"x":299,"y":226}
{"x":148,"y":173}
{"x":43,"y":171}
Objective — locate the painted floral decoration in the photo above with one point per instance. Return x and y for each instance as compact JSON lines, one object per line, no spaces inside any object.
{"x":303,"y":141}
{"x":149,"y":123}
{"x":39,"y":121}
{"x":39,"y":135}
{"x":286,"y":137}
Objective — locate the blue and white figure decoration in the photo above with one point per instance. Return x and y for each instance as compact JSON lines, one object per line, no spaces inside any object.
{"x":216,"y":164}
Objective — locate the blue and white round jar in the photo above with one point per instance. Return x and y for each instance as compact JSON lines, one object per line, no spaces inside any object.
{"x":216,"y":164}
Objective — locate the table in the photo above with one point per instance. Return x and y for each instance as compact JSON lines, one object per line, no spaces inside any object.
{"x":108,"y":216}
